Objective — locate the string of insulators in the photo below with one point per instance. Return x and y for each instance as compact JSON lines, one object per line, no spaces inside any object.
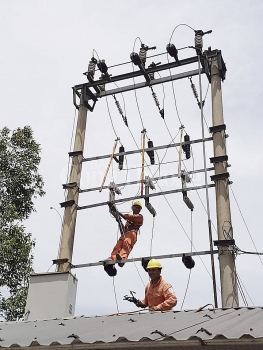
{"x":143,"y":53}
{"x":187,"y":148}
{"x":121,"y":158}
{"x":91,"y":67}
{"x":151,"y":152}
{"x":161,"y":110}
{"x":199,"y":40}
{"x":196,"y":93}
{"x":120,"y":110}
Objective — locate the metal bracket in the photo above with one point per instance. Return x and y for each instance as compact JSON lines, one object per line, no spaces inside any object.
{"x":60,"y":261}
{"x":75,"y":153}
{"x":224,"y":243}
{"x":86,"y":95}
{"x":67,"y":203}
{"x":70,"y":185}
{"x":217,"y":128}
{"x":222,"y":176}
{"x":210,"y":54}
{"x":219,"y":159}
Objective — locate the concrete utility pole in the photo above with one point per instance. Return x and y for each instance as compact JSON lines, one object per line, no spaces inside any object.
{"x":70,"y":214}
{"x":229,"y":293}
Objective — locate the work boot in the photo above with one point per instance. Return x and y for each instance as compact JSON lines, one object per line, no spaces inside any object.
{"x":118,"y":257}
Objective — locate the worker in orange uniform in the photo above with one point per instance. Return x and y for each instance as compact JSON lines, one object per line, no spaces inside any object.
{"x":129,"y":231}
{"x":159,"y":294}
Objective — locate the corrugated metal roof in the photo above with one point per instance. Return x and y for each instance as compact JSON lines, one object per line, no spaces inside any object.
{"x":180,"y":325}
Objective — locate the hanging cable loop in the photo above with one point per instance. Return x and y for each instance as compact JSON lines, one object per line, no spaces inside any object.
{"x":91,"y":67}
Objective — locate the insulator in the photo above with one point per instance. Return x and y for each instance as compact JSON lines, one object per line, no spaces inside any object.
{"x":172,"y":50}
{"x":194,"y":90}
{"x":121,"y":158}
{"x":155,"y":99}
{"x":187,"y":147}
{"x":135,"y":58}
{"x":143,"y":54}
{"x":102,"y":66}
{"x":119,"y":107}
{"x":151,"y":153}
{"x":199,"y":40}
{"x":91,"y":67}
{"x":188,"y":261}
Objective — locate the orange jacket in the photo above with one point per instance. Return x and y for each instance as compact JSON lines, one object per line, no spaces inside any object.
{"x":133,"y":219}
{"x":159,"y":297}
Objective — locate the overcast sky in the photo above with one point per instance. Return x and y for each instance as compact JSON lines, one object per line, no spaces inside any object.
{"x":46,"y":47}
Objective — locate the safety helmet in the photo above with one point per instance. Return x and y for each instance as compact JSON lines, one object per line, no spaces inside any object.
{"x":137,"y":203}
{"x":154,"y":264}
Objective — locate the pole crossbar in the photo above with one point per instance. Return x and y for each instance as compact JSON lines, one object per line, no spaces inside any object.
{"x":168,"y":256}
{"x":162,"y":193}
{"x":147,"y":149}
{"x":150,"y":83}
{"x":138,"y":73}
{"x":139,"y":181}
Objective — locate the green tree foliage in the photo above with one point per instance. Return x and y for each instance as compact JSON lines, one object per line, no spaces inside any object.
{"x":20,"y":183}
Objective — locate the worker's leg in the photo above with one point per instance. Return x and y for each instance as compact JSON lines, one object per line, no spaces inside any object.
{"x":117,"y":247}
{"x":128,"y":243}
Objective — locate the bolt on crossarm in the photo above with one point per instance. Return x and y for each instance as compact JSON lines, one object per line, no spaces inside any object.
{"x":229,"y":292}
{"x":70,"y":214}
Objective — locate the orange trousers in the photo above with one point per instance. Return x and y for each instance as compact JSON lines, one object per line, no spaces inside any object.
{"x":124,"y":245}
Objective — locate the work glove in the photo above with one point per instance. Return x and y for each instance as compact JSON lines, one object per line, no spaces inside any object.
{"x":138,"y":303}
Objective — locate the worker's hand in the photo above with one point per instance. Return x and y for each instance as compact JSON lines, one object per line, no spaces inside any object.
{"x":154,"y":308}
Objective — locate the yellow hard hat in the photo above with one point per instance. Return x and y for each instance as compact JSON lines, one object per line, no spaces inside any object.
{"x":154,"y":264}
{"x":137,"y":203}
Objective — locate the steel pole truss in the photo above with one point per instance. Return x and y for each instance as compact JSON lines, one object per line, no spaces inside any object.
{"x":147,"y":149}
{"x":162,"y":193}
{"x":139,"y":181}
{"x":168,"y":256}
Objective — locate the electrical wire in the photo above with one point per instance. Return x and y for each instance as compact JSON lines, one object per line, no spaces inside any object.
{"x":245,"y":224}
{"x":111,"y":118}
{"x":181,"y":24}
{"x":189,"y":276}
{"x":115,"y":295}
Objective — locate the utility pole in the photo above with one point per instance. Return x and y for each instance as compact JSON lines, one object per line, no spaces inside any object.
{"x":229,"y":293}
{"x":70,"y":214}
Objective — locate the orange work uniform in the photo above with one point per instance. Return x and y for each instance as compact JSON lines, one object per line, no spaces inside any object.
{"x":129,"y":238}
{"x":161,"y":296}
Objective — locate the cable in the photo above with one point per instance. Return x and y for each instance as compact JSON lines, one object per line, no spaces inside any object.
{"x":190,"y":269}
{"x":111,"y":118}
{"x":245,"y":224}
{"x":115,"y":295}
{"x":181,"y":24}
